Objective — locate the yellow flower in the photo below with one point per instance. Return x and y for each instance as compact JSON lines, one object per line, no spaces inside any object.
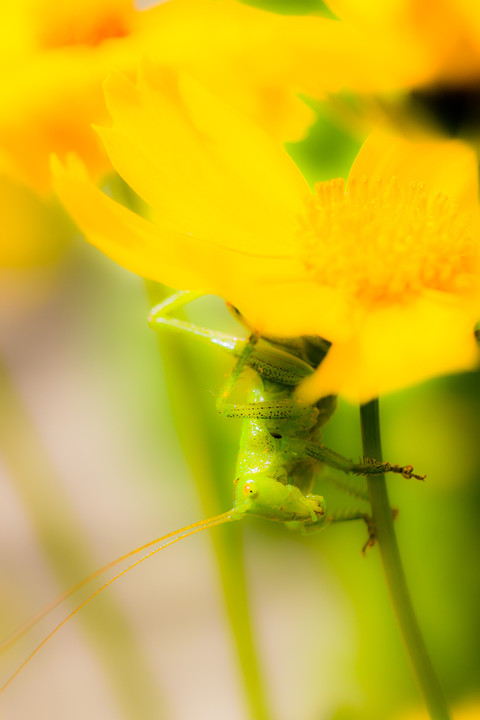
{"x":56,"y":56}
{"x":386,"y":266}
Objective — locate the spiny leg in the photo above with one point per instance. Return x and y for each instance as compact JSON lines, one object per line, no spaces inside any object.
{"x":367,"y":467}
{"x":263,"y":409}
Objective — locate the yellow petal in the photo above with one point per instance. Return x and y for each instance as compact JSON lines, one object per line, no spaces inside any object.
{"x":445,"y":166}
{"x":133,"y":242}
{"x":240,"y":53}
{"x":373,"y":12}
{"x":400,"y":346}
{"x":271,"y":291}
{"x":289,"y":304}
{"x":201,"y":165}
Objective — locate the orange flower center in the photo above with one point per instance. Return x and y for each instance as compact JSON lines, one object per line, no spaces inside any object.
{"x":377,"y":240}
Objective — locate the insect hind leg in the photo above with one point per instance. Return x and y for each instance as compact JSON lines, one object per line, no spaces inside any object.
{"x":160,"y":318}
{"x":269,"y":362}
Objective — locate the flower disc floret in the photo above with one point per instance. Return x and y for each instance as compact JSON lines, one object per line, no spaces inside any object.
{"x":378,"y":240}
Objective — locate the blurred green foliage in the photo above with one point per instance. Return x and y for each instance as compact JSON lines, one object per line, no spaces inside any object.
{"x":292,"y":7}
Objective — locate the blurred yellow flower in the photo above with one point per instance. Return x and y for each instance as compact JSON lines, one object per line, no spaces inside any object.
{"x":467,"y":711}
{"x":386,"y":266}
{"x":56,"y":56}
{"x":54,"y":66}
{"x":431,"y":41}
{"x":34,"y":230}
{"x":421,"y":56}
{"x":241,"y":54}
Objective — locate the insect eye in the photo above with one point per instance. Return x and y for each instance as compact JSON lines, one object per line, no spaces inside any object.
{"x":250,"y":489}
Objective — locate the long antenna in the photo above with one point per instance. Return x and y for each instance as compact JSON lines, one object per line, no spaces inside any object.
{"x":19,"y":632}
{"x":165,"y":541}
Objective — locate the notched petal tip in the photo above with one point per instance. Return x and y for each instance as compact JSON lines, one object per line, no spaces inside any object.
{"x":56,"y":167}
{"x":398,"y":347}
{"x":445,"y":166}
{"x":119,"y":92}
{"x":71,"y":166}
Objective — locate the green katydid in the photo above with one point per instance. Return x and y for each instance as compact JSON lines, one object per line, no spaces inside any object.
{"x":280,"y":451}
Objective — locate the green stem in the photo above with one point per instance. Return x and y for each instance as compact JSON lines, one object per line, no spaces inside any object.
{"x":394,"y":573}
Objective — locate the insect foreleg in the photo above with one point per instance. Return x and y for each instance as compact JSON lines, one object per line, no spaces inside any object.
{"x":367,"y":467}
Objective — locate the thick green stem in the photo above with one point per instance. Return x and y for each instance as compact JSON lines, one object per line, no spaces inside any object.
{"x":394,"y":573}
